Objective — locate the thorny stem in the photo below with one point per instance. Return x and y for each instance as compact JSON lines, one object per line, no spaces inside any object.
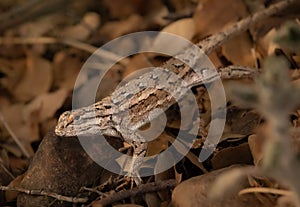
{"x":275,"y":100}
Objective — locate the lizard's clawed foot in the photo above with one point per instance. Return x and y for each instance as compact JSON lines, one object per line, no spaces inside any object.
{"x":136,"y":163}
{"x":129,"y":178}
{"x":134,"y":177}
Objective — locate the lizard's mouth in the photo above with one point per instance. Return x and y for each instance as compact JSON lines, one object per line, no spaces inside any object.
{"x":64,"y":126}
{"x":62,"y":131}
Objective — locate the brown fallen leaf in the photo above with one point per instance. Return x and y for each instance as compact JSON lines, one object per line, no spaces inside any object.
{"x":183,"y":27}
{"x":118,"y":9}
{"x":262,"y":27}
{"x":241,"y":121}
{"x":296,"y":58}
{"x":121,"y":205}
{"x":152,"y":200}
{"x":238,"y":51}
{"x":4,"y":101}
{"x":114,"y":29}
{"x":265,"y":44}
{"x":27,"y":131}
{"x":42,"y":25}
{"x":37,"y":78}
{"x":13,"y":72}
{"x":66,"y":68}
{"x":196,"y":191}
{"x":212,"y":16}
{"x":231,"y":155}
{"x":157,"y":145}
{"x":162,"y":161}
{"x":45,"y":105}
{"x":256,"y":147}
{"x":12,"y":195}
{"x":139,"y":61}
{"x":89,"y":23}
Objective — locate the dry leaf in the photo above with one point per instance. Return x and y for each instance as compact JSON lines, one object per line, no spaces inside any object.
{"x":262,"y":27}
{"x":157,"y":145}
{"x":226,"y":181}
{"x":287,"y":201}
{"x":266,"y":45}
{"x":27,"y":131}
{"x":4,"y":101}
{"x":197,"y":191}
{"x":83,"y":30}
{"x":45,"y":105}
{"x":256,"y":147}
{"x":112,"y":30}
{"x":12,"y":195}
{"x":164,"y":160}
{"x":66,"y":69}
{"x":180,"y":5}
{"x":42,"y":25}
{"x":211,"y":16}
{"x":110,"y":81}
{"x":296,"y":58}
{"x":213,"y":57}
{"x":13,"y":149}
{"x":238,"y":51}
{"x":139,"y":61}
{"x":119,"y":205}
{"x":46,"y":125}
{"x":183,"y":27}
{"x":229,"y":137}
{"x":228,"y":156}
{"x":165,"y":43}
{"x":13,"y":71}
{"x":241,"y":121}
{"x":183,"y":150}
{"x":37,"y":78}
{"x":178,"y":176}
{"x":18,"y":165}
{"x":158,"y":17}
{"x":152,"y":200}
{"x":215,"y":15}
{"x":118,"y":9}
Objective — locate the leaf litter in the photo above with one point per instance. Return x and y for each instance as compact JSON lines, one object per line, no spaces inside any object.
{"x":37,"y":79}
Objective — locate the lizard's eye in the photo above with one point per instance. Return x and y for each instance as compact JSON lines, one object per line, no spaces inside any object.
{"x":76,"y":118}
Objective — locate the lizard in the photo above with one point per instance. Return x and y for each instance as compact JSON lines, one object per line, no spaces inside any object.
{"x":115,"y":114}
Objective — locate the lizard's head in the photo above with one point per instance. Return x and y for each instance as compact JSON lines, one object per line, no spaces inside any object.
{"x":74,"y":123}
{"x":65,"y":125}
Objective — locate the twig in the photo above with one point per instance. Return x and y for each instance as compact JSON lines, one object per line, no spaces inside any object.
{"x":70,"y":42}
{"x":211,"y":43}
{"x":47,"y":40}
{"x":145,"y":188}
{"x":30,"y":10}
{"x":93,"y":190}
{"x":44,"y":193}
{"x":266,"y":190}
{"x":237,"y":72}
{"x":14,"y":137}
{"x":7,"y":171}
{"x":181,"y":148}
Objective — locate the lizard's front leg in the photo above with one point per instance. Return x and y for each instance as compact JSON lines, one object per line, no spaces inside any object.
{"x":139,"y":152}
